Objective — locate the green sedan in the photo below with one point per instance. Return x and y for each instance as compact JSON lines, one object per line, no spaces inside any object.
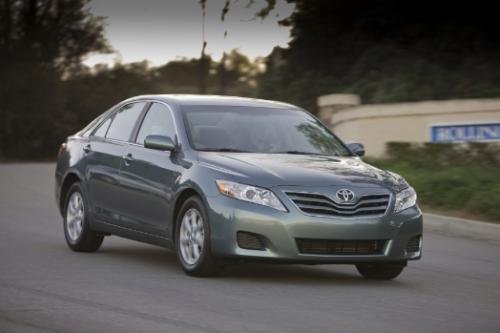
{"x":226,"y":179}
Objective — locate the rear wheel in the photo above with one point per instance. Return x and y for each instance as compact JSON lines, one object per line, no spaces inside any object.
{"x":77,"y":232}
{"x":193,"y":239}
{"x":380,"y":271}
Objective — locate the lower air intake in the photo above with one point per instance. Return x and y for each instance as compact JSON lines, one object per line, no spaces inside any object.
{"x":413,"y":244}
{"x":339,"y":247}
{"x":249,"y":241}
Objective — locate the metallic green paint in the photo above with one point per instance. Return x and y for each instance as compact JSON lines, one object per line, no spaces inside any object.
{"x":133,"y":191}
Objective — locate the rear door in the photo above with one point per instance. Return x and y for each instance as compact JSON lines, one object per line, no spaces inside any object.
{"x":149,"y":176}
{"x":104,"y":154}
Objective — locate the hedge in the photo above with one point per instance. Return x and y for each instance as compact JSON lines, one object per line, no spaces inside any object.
{"x":461,"y":179}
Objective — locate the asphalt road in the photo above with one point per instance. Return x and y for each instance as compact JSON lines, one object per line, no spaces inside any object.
{"x":133,"y":287}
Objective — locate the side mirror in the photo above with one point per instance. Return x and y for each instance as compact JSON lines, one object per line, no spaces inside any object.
{"x":159,"y":142}
{"x":357,"y":148}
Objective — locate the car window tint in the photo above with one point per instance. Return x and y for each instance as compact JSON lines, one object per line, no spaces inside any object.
{"x":259,"y":130}
{"x":87,"y":130}
{"x":158,"y":121}
{"x":124,"y":121}
{"x":101,"y":131}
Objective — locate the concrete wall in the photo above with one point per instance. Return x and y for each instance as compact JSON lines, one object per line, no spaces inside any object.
{"x":375,"y":124}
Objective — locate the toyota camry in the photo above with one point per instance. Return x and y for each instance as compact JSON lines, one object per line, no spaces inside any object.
{"x":229,"y":179}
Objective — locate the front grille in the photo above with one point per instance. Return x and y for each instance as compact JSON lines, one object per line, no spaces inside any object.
{"x":413,"y":244}
{"x":347,"y":247}
{"x":318,"y":204}
{"x":249,"y":241}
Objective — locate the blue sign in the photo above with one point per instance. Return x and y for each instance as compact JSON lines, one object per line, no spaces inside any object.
{"x":465,"y":132}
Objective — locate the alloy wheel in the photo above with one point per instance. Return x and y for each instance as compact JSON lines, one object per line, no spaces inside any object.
{"x":75,"y":214}
{"x":191,"y":236}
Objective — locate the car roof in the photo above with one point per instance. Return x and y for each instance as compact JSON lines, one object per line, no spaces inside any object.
{"x":191,"y":100}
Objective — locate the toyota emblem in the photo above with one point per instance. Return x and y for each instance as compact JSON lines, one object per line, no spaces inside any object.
{"x":345,"y":195}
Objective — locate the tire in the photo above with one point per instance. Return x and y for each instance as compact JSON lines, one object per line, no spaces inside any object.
{"x":192,"y":239}
{"x":79,"y":236}
{"x":380,"y":271}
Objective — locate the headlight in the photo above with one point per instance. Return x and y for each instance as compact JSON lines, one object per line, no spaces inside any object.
{"x":249,"y":193}
{"x":405,"y":199}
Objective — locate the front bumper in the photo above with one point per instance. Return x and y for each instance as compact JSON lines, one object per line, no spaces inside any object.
{"x":281,"y":229}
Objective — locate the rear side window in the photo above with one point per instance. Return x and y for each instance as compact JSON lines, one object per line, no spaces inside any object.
{"x":101,"y":131}
{"x":124,"y":121}
{"x":158,"y":121}
{"x":91,"y":126}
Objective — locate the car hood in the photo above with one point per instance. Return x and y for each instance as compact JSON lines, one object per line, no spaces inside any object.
{"x":268,"y":170}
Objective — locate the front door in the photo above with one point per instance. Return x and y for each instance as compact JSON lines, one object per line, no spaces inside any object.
{"x":148,"y":176}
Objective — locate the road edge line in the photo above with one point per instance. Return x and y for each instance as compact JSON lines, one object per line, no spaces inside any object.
{"x":462,"y":227}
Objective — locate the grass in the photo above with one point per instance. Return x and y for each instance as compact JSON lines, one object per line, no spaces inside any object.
{"x":457,"y":180}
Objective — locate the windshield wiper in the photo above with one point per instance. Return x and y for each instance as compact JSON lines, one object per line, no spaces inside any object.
{"x":292,"y":152}
{"x":231,"y":150}
{"x":297,"y":152}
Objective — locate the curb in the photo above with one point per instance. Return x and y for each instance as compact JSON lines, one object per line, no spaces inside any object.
{"x":462,"y":227}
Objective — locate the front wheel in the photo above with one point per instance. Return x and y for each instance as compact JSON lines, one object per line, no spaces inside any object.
{"x":380,"y":271}
{"x":193,"y":239}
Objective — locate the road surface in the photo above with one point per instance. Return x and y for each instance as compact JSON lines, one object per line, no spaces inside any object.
{"x":133,"y":287}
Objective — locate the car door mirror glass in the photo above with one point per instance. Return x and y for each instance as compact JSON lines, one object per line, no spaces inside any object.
{"x":159,"y":142}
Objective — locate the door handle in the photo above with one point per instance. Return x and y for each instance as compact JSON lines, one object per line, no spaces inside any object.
{"x":128,"y":159}
{"x":87,"y":149}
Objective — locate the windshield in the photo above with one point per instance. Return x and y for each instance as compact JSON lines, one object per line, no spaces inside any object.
{"x":259,"y":130}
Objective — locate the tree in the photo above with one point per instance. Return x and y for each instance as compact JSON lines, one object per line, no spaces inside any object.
{"x":236,"y":69}
{"x":48,"y":33}
{"x":40,"y":41}
{"x":204,"y":61}
{"x":388,"y":50}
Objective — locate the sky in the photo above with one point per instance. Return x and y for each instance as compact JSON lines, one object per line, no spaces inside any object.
{"x":164,"y":30}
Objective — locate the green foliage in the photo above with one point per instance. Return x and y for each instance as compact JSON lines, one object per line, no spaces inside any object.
{"x":40,"y":110}
{"x":40,"y":40}
{"x":463,"y":178}
{"x":53,"y":34}
{"x":89,"y":93}
{"x":47,"y":94}
{"x":387,"y":51}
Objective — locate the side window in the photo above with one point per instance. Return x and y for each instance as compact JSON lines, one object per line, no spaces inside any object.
{"x":124,"y":121}
{"x":158,"y":121}
{"x":87,"y":130}
{"x":101,"y":131}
